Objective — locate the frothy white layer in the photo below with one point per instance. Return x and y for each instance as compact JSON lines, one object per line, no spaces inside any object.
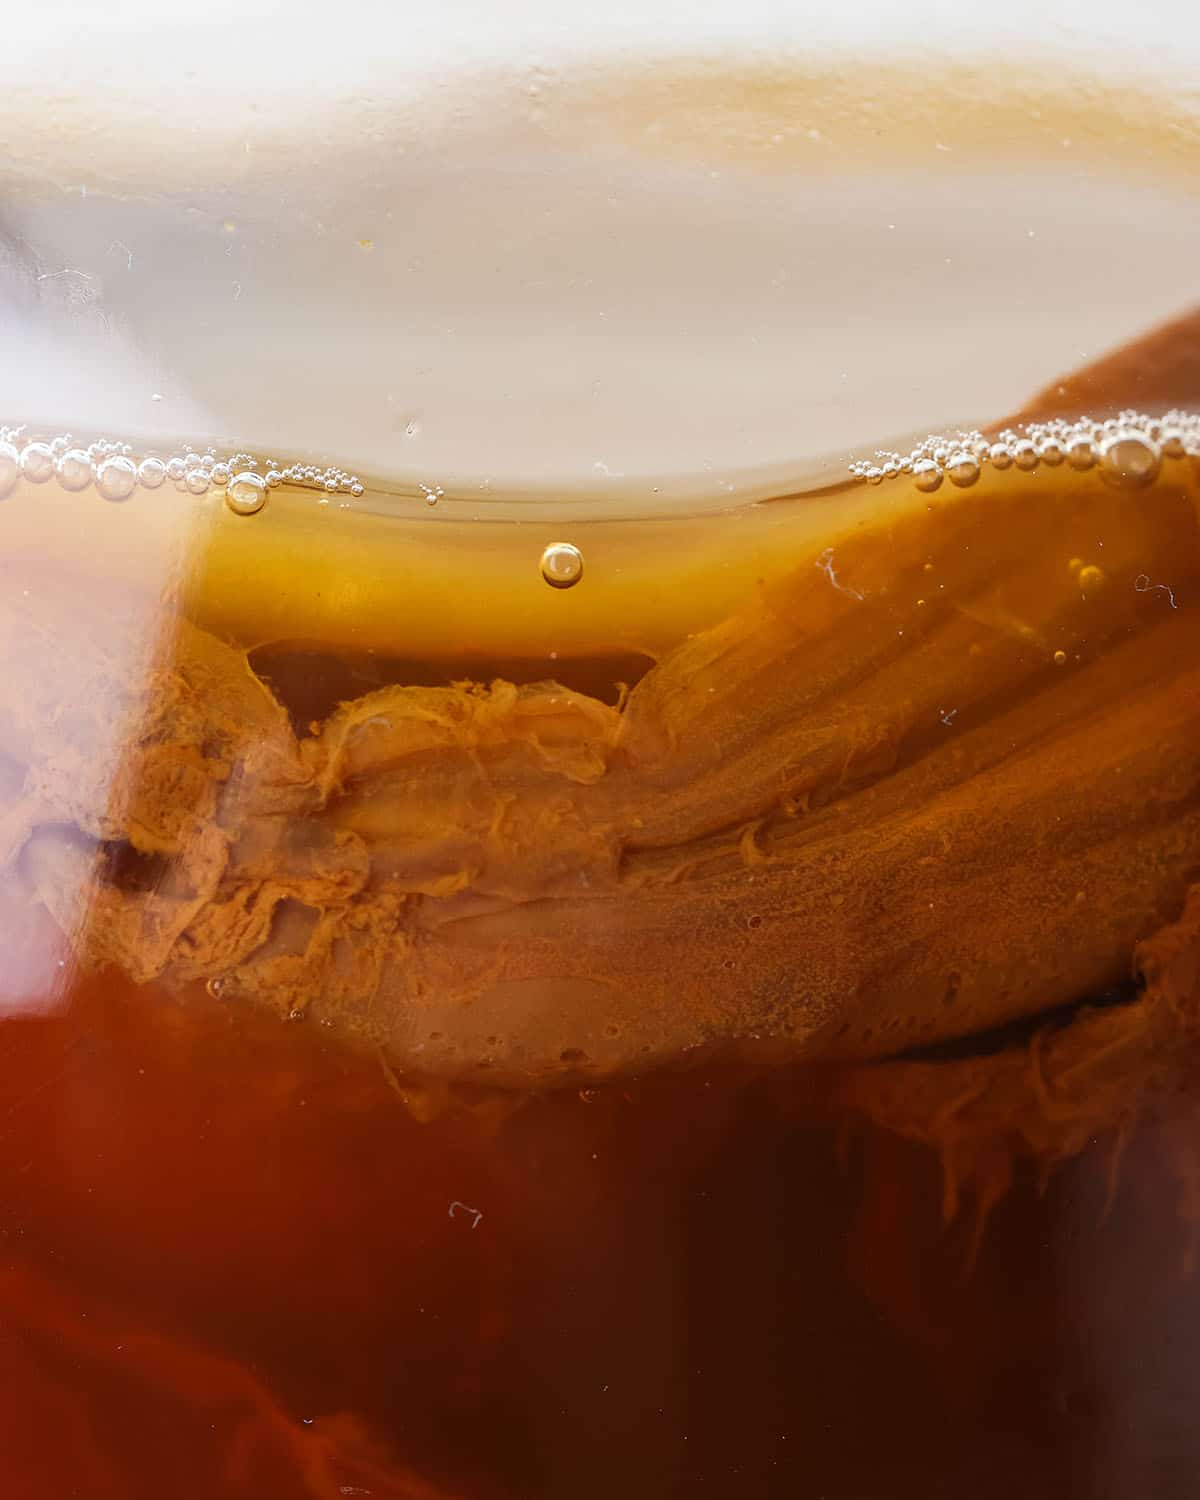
{"x":474,"y":245}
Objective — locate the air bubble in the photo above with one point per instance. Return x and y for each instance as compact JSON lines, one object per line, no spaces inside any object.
{"x":190,"y":471}
{"x":1060,"y":658}
{"x":1000,"y":455}
{"x":74,"y":469}
{"x":37,"y":462}
{"x":926,"y":476}
{"x":1129,"y":448}
{"x":151,"y":473}
{"x":562,"y":565}
{"x":10,"y":466}
{"x":116,"y":478}
{"x":1081,"y":454}
{"x":1129,"y":461}
{"x":246,"y":494}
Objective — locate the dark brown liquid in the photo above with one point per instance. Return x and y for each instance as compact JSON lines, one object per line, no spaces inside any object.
{"x":233,"y":1265}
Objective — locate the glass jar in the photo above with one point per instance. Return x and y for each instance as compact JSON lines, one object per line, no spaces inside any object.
{"x":598,"y":788}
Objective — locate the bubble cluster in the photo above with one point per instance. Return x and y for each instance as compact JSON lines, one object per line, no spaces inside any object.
{"x":117,"y":474}
{"x":1127,"y":451}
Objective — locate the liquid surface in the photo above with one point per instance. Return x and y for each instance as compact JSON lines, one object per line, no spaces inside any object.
{"x":689,"y":256}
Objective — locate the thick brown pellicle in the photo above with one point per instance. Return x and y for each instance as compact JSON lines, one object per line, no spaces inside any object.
{"x":1100,"y":1073}
{"x":1093,"y":1077}
{"x":943,"y":771}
